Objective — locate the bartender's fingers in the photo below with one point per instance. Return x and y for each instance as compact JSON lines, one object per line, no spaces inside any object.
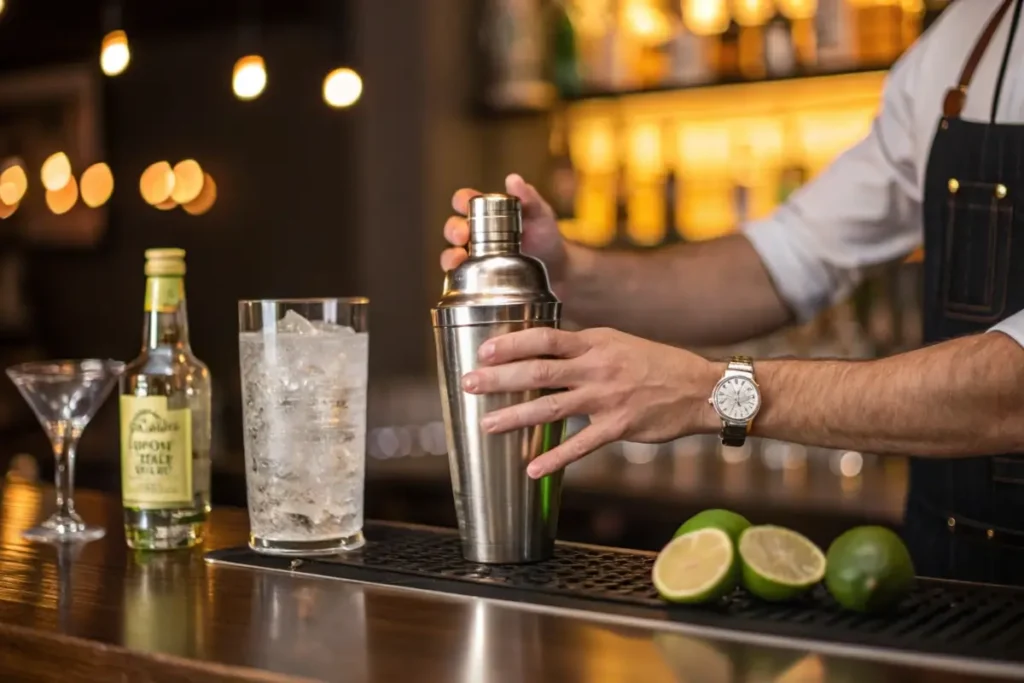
{"x":460,"y":200}
{"x":534,"y":205}
{"x":548,"y":408}
{"x":523,"y":376}
{"x":588,"y":440}
{"x":456,"y":231}
{"x":450,"y":258}
{"x":532,"y":343}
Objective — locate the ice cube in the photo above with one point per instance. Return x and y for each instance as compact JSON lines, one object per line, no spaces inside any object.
{"x":293,"y":322}
{"x":332,"y":328}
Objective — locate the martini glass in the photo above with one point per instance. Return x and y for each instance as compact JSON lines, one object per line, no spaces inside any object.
{"x":65,"y":394}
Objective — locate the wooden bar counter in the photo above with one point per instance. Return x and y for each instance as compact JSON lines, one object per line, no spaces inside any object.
{"x":103,"y":613}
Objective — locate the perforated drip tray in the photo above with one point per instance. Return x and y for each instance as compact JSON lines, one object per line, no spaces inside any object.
{"x":940,"y":617}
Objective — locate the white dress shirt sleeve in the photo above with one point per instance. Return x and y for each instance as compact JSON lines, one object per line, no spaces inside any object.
{"x":1013,"y":327}
{"x":863,"y":210}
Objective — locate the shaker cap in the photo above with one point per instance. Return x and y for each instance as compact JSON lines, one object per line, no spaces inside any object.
{"x":495,"y":218}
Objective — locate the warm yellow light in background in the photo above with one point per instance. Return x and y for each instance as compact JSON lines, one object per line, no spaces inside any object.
{"x":705,"y":17}
{"x":7,"y":210}
{"x":13,"y":184}
{"x":56,"y":171}
{"x":342,"y":87}
{"x":590,"y":18}
{"x":61,"y":201}
{"x":206,"y":199}
{"x":592,"y":145}
{"x":157,"y":183}
{"x":114,"y":53}
{"x":753,"y":12}
{"x":798,"y":9}
{"x":249,"y":77}
{"x":645,"y":149}
{"x":188,"y":181}
{"x":645,"y":21}
{"x":166,"y":205}
{"x":97,"y":185}
{"x":3,"y":5}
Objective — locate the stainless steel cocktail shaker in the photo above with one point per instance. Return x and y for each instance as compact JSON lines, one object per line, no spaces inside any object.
{"x":504,"y":516}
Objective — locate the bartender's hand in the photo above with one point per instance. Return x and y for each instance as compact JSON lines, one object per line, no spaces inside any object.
{"x":632,"y":389}
{"x":541,"y":237}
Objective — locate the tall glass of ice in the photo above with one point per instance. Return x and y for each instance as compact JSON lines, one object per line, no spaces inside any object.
{"x":304,"y":374}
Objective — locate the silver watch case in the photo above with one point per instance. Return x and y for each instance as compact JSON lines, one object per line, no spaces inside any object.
{"x":729,"y":374}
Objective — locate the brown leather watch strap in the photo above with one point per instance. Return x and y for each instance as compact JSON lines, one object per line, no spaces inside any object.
{"x":953,"y":105}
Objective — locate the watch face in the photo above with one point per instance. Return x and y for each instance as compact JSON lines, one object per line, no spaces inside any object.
{"x":737,"y":399}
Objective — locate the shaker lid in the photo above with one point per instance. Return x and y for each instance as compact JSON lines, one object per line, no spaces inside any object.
{"x":494,"y":204}
{"x":497,"y":283}
{"x":495,"y":218}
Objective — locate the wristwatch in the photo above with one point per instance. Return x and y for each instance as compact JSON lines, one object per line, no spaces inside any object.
{"x":736,"y":398}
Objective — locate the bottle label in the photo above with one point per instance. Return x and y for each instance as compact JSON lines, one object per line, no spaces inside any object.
{"x":164,"y":294}
{"x":156,"y":453}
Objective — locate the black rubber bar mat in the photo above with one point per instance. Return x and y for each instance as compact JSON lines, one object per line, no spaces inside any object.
{"x":939,"y":617}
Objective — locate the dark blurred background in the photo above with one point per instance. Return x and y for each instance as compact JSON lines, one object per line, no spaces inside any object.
{"x":647,"y":123}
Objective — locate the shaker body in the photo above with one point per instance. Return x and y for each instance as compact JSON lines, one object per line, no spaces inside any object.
{"x":504,"y":516}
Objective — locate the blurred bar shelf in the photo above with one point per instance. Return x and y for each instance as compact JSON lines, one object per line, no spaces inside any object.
{"x":590,"y":94}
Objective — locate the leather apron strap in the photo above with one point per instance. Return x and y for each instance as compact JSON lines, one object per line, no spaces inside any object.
{"x":956,"y":97}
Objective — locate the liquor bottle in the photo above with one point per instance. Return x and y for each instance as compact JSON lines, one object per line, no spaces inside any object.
{"x":834,"y":34}
{"x":612,"y":69}
{"x":165,"y":420}
{"x":729,"y":52}
{"x":687,"y":56}
{"x":779,"y":50}
{"x":564,"y":57}
{"x":513,"y":45}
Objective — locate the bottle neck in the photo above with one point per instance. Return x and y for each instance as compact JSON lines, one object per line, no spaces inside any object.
{"x":166,"y":321}
{"x":494,"y":248}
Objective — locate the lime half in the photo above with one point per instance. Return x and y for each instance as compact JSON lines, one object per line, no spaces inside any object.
{"x":700,"y":566}
{"x":779,"y":564}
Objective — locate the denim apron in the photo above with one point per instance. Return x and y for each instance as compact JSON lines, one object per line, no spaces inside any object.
{"x":965,"y":517}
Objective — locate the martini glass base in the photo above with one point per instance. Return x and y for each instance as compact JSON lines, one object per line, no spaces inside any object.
{"x":63,"y":530}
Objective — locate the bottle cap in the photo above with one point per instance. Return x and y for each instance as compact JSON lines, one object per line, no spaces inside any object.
{"x":495,"y":218}
{"x":165,"y":262}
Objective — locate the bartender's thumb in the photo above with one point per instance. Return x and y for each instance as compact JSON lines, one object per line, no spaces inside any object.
{"x":534,"y":205}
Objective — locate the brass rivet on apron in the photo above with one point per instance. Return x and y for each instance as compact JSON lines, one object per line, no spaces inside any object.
{"x":1000,"y":190}
{"x":990,"y":533}
{"x":954,"y":185}
{"x":951,"y":522}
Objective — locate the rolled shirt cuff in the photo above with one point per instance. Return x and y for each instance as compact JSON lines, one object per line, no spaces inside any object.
{"x":1012,"y":327}
{"x":806,"y":283}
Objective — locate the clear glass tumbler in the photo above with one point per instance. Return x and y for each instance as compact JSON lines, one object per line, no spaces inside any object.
{"x":304,"y":375}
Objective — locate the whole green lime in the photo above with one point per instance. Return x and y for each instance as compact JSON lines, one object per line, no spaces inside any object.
{"x":728,"y":521}
{"x":869,"y":569}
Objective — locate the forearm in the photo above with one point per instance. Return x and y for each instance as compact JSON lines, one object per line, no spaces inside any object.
{"x":959,"y":398}
{"x":708,"y":293}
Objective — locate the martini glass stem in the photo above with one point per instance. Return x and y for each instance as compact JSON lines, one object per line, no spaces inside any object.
{"x":65,"y":440}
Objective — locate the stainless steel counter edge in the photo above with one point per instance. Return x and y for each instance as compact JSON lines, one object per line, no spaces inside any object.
{"x":961,"y":665}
